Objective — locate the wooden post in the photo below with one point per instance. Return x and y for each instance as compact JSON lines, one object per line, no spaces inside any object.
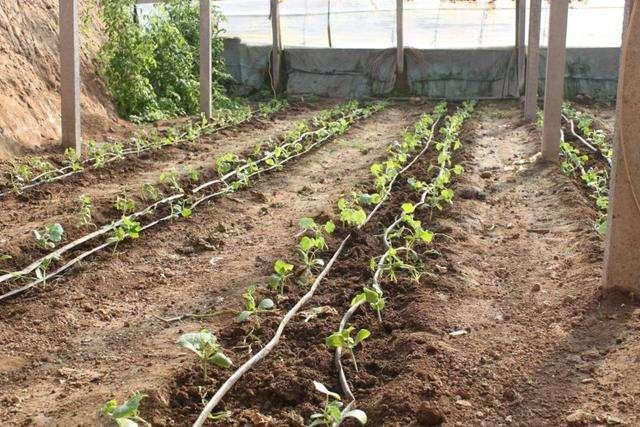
{"x":400,"y":36}
{"x":276,"y":49}
{"x":533,"y":61}
{"x":205,"y":57}
{"x":70,"y":75}
{"x":622,"y":251}
{"x":554,"y":87}
{"x":521,"y":13}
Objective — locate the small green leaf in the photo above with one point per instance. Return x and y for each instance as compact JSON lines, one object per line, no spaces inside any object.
{"x":362,"y":335}
{"x":329,"y":227}
{"x":408,"y":208}
{"x":222,"y":361}
{"x":266,"y":304}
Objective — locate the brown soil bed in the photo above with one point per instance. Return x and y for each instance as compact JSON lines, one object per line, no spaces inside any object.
{"x":519,"y":273}
{"x":58,"y":201}
{"x":95,"y":334}
{"x":518,"y":270}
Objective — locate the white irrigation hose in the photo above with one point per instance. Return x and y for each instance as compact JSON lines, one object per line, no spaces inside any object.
{"x":224,"y":178}
{"x":376,"y":284}
{"x":35,"y":181}
{"x":112,"y":226}
{"x":71,"y":245}
{"x":230,"y":382}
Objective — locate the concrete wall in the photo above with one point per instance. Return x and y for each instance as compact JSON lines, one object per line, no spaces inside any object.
{"x":450,"y":74}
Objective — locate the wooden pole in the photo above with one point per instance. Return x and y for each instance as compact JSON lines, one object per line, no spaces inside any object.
{"x":329,"y":23}
{"x":276,"y":49}
{"x":554,"y":85}
{"x":622,"y":251}
{"x":205,"y":57}
{"x":521,"y":13}
{"x":533,"y":61}
{"x":70,"y":75}
{"x":400,"y":36}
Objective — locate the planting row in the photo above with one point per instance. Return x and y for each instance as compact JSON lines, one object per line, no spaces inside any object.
{"x":186,"y":192}
{"x":37,"y":170}
{"x":352,"y":215}
{"x":590,"y":161}
{"x":310,"y":268}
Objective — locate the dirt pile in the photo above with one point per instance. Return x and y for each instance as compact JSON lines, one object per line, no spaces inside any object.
{"x":30,"y":77}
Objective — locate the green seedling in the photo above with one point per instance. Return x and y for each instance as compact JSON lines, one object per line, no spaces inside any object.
{"x":127,"y":414}
{"x":151,"y":193}
{"x":332,"y":414}
{"x":225,"y":163}
{"x":72,"y":159}
{"x":343,"y":339}
{"x":192,"y":174}
{"x":50,"y":236}
{"x":281,"y":272}
{"x":84,"y":212}
{"x":124,"y":204}
{"x":172,"y":179}
{"x":43,"y":268}
{"x":350,"y":213}
{"x":127,"y":229}
{"x":371,"y":296}
{"x":44,"y":168}
{"x":251,"y":308}
{"x":97,"y":154}
{"x":181,"y":209}
{"x":206,"y":346}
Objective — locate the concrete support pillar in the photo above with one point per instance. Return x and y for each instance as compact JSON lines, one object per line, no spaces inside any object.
{"x":521,"y":14}
{"x":622,"y":251}
{"x":276,"y":49}
{"x":533,"y":61}
{"x":554,"y":88}
{"x":205,"y":57}
{"x":400,"y":37}
{"x":70,"y":74}
{"x":628,"y":4}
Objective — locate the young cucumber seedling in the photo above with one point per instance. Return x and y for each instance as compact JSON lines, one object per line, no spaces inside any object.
{"x":127,"y":414}
{"x":282,"y":271}
{"x":250,"y":306}
{"x":345,"y":341}
{"x":50,"y":236}
{"x":206,"y":346}
{"x":332,"y":414}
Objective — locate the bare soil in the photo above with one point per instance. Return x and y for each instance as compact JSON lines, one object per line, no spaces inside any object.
{"x":58,"y":201}
{"x":518,"y":271}
{"x":70,"y":347}
{"x":30,"y":77}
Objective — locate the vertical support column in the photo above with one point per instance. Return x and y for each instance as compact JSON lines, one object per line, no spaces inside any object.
{"x":622,"y":251}
{"x":533,"y":61}
{"x":205,"y":57}
{"x":628,"y":4}
{"x":400,"y":36}
{"x":276,"y":49}
{"x":70,"y":74}
{"x":521,"y":14}
{"x":554,"y":88}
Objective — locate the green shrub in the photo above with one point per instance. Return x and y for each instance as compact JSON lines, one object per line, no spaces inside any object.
{"x":152,"y":70}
